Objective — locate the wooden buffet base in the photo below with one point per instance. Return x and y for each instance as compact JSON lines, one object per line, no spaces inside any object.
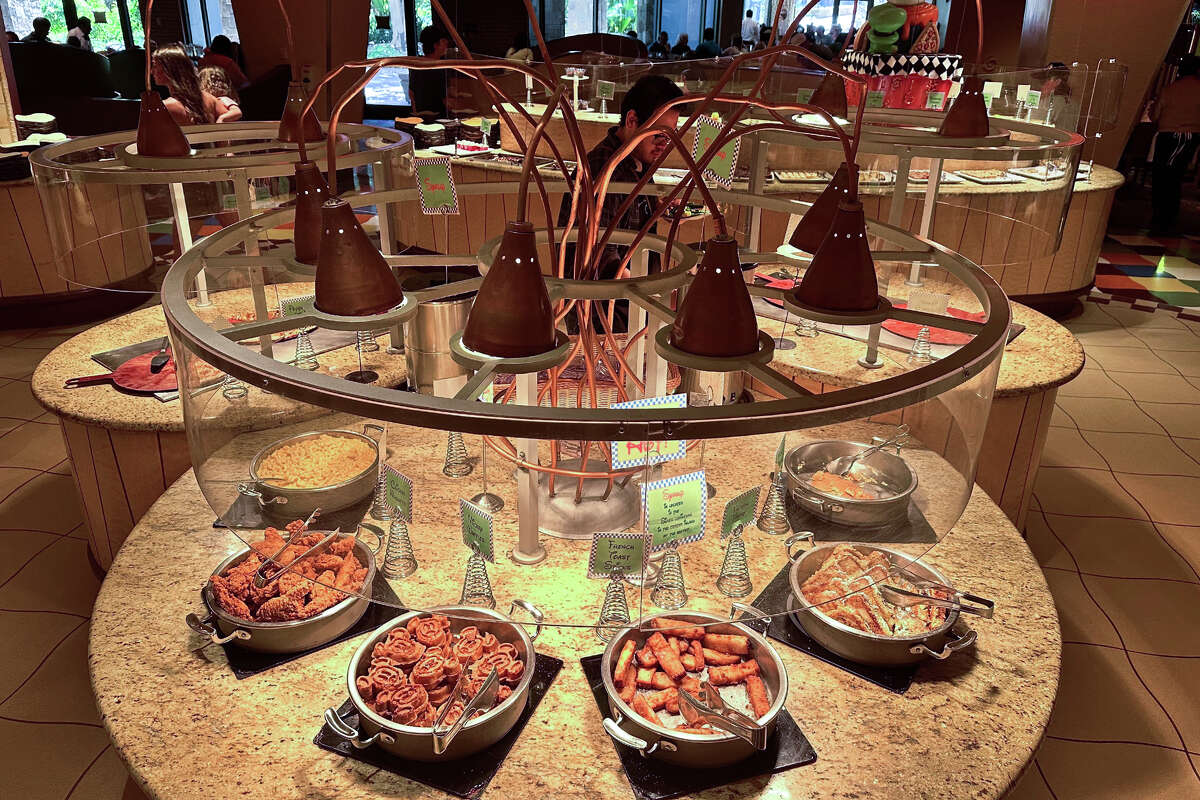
{"x":966,"y":727}
{"x":126,"y":449}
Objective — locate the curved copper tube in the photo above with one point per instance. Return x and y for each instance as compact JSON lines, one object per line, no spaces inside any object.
{"x":291,"y":43}
{"x":146,"y":18}
{"x":538,"y":133}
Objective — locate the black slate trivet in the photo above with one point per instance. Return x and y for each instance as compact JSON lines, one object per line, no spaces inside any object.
{"x":247,"y":513}
{"x":652,"y":779}
{"x":385,"y":605}
{"x":463,"y":777}
{"x":914,"y":530}
{"x":774,"y":600}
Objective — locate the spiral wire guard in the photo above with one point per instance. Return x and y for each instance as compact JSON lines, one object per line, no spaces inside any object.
{"x":669,"y":592}
{"x":806,"y":328}
{"x":379,"y":508}
{"x":399,"y":561}
{"x":921,"y":350}
{"x":306,"y":358}
{"x":734,"y":580}
{"x":365,"y":342}
{"x":774,"y":519}
{"x":477,"y":587}
{"x":614,"y":613}
{"x":233,"y":389}
{"x":457,"y":465}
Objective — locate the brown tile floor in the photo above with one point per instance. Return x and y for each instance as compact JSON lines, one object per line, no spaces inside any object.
{"x":1115,"y":526}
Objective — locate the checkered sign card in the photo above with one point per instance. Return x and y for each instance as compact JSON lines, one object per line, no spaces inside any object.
{"x":674,"y":510}
{"x":297,"y":306}
{"x":638,"y":454}
{"x":477,"y":530}
{"x":739,"y":512}
{"x":397,"y":492}
{"x":435,"y":184}
{"x":617,"y":553}
{"x":720,"y":167}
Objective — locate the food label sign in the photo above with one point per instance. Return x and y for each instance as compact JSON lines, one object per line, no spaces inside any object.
{"x":637,"y":454}
{"x":935,"y":100}
{"x":720,"y":167}
{"x":804,"y":95}
{"x":435,"y":183}
{"x":477,"y":530}
{"x":674,"y":509}
{"x":485,"y":127}
{"x":613,"y":553}
{"x":606,"y":90}
{"x":780,"y":452}
{"x":297,"y":306}
{"x":1033,"y":98}
{"x":397,"y":492}
{"x":739,"y":512}
{"x":875,"y":99}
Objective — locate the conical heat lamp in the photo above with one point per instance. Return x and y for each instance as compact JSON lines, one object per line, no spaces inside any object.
{"x":512,"y":316}
{"x":716,"y":317}
{"x":967,"y":116}
{"x":831,"y":95}
{"x":812,"y":227}
{"x":311,"y":194}
{"x":353,"y":279}
{"x":841,"y":277}
{"x":158,"y":134}
{"x":292,"y":110}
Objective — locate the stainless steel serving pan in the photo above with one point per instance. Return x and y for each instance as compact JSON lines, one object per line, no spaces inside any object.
{"x":869,"y":648}
{"x":417,"y":744}
{"x":628,"y":728}
{"x":886,"y":469}
{"x":299,"y":503}
{"x":294,"y":636}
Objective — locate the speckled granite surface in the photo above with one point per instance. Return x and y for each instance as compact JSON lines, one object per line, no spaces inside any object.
{"x":188,"y":729}
{"x":106,"y":407}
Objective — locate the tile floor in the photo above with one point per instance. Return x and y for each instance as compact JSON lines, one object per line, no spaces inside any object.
{"x":1157,"y":269}
{"x":1115,"y":526}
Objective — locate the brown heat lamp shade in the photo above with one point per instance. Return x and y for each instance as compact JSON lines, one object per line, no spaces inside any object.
{"x":291,"y":113}
{"x":967,"y":116}
{"x":841,"y":276}
{"x":831,"y":95}
{"x":812,"y":227}
{"x":512,"y":316}
{"x":716,"y":317}
{"x":311,"y":194}
{"x":353,"y":279}
{"x":158,"y":134}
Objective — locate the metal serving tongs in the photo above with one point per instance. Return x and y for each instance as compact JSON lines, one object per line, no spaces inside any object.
{"x":443,"y":735}
{"x":843,"y":464}
{"x":261,"y":580}
{"x":904,"y":598}
{"x":710,"y":707}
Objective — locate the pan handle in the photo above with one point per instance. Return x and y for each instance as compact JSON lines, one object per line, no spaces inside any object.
{"x":796,"y":538}
{"x":249,"y":489}
{"x":966,"y":638}
{"x":620,"y":736}
{"x":205,"y":628}
{"x":534,"y":612}
{"x":351,"y":735}
{"x":88,"y":380}
{"x":755,"y":617}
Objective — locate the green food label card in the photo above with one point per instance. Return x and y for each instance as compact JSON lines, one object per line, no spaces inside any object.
{"x":720,"y":167}
{"x":739,"y":512}
{"x":297,"y":306}
{"x":397,"y":492}
{"x":674,"y":509}
{"x":435,"y":183}
{"x":477,"y":530}
{"x":935,"y":100}
{"x":488,"y":395}
{"x":804,"y":95}
{"x":875,"y":99}
{"x":637,"y":454}
{"x":605,"y":90}
{"x":613,"y":553}
{"x":1033,"y":99}
{"x":485,"y":127}
{"x":780,"y":452}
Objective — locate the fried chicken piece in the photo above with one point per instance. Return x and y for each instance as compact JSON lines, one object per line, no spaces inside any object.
{"x":358,"y":579}
{"x":294,"y":527}
{"x":279,"y":609}
{"x":241,"y":577}
{"x":327,"y":561}
{"x":345,"y":575}
{"x":293,"y":584}
{"x":322,"y":595}
{"x":227,"y":600}
{"x":341,"y":546}
{"x":261,"y":594}
{"x":269,"y":545}
{"x":290,"y":554}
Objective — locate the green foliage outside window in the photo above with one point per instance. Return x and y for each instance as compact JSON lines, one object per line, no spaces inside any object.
{"x":621,"y":15}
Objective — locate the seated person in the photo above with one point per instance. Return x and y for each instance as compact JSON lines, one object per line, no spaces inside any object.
{"x":643,"y":99}
{"x":681,"y":49}
{"x":221,"y":54}
{"x":520,"y":50}
{"x":41,"y":31}
{"x":428,"y":89}
{"x":708,"y":45}
{"x":188,"y":103}
{"x":215,"y":81}
{"x":81,"y":35}
{"x":659,"y":49}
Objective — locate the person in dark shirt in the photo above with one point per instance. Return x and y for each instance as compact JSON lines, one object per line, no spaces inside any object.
{"x":708,"y":45}
{"x":642,"y":100}
{"x":662,"y":47}
{"x":221,"y":53}
{"x":681,"y":49}
{"x":41,"y":31}
{"x":429,"y":88}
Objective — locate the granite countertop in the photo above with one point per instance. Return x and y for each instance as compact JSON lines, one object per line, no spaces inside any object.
{"x":1045,"y":355}
{"x":966,"y":727}
{"x":108,"y":407}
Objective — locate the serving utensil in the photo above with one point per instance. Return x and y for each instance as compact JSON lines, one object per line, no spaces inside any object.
{"x":904,"y":598}
{"x":261,"y":580}
{"x":843,"y":465}
{"x":161,"y":358}
{"x":134,"y":376}
{"x":444,"y":734}
{"x":712,"y":708}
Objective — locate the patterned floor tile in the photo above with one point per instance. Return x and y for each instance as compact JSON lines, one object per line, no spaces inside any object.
{"x":57,"y":579}
{"x":47,"y":502}
{"x":59,"y":690}
{"x":1087,"y":771}
{"x":35,"y":445}
{"x":51,"y":757}
{"x":1142,"y":453}
{"x":1117,"y":547}
{"x":1152,"y":616}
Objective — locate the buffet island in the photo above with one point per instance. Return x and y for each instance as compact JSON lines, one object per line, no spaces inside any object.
{"x":689,"y":507}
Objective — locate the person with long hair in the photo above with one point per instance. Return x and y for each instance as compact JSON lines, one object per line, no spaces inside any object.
{"x":215,"y":81}
{"x":188,"y":103}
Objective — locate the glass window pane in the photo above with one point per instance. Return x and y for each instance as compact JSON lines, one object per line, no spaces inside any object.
{"x":390,"y":86}
{"x":19,"y":14}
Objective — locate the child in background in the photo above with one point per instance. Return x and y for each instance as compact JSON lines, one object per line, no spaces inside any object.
{"x":215,"y":81}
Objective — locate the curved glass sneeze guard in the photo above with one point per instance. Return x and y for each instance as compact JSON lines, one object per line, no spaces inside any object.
{"x":266,"y":457}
